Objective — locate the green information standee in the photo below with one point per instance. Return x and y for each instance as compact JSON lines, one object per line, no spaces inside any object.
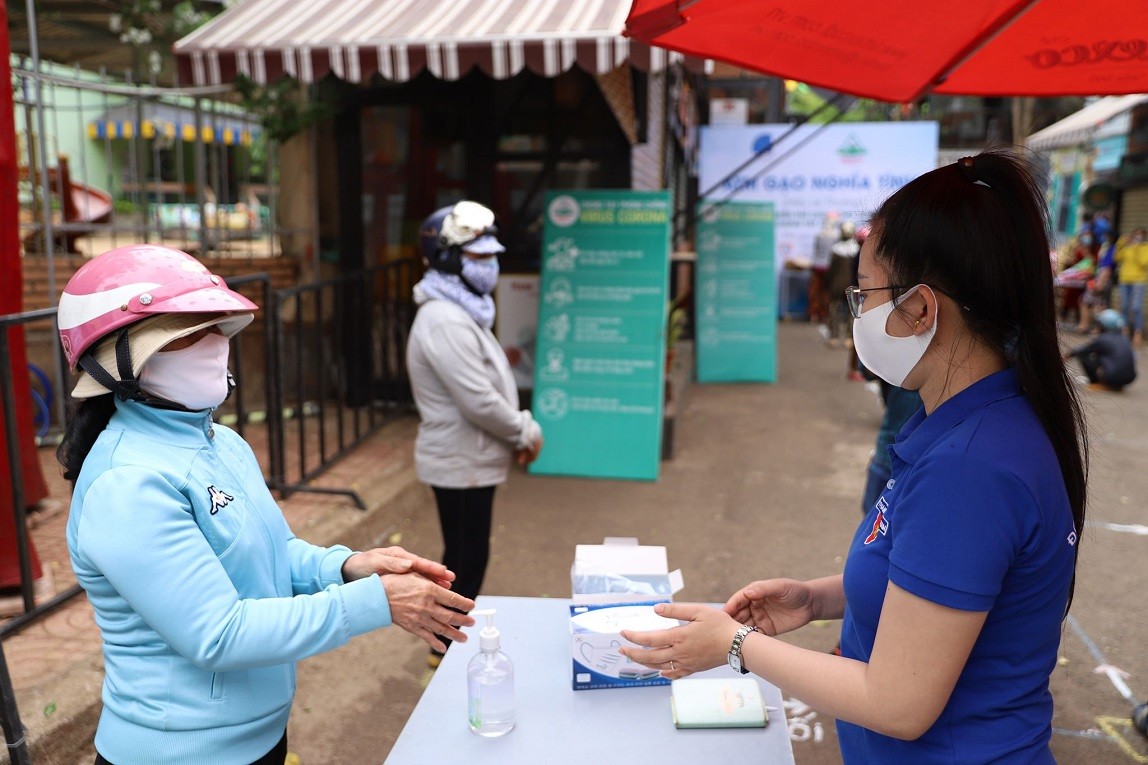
{"x":601,"y":347}
{"x":736,"y":293}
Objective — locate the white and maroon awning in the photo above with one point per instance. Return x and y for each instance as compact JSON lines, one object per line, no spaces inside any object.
{"x":305,"y":39}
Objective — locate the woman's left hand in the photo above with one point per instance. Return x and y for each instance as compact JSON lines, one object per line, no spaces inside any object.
{"x":395,"y":560}
{"x":700,"y":644}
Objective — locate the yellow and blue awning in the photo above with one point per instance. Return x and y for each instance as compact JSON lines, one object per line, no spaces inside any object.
{"x":173,"y":123}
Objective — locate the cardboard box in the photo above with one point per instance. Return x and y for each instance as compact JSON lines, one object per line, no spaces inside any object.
{"x":595,"y":637}
{"x":621,"y":571}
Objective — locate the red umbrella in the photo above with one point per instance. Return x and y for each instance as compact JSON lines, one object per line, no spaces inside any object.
{"x":898,"y":50}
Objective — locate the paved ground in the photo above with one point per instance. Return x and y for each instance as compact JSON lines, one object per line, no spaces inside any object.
{"x":765,"y":482}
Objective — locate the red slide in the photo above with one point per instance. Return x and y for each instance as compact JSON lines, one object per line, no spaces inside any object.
{"x":81,"y":204}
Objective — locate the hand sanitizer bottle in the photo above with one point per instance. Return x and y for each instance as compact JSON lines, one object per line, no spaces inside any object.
{"x":490,"y":683}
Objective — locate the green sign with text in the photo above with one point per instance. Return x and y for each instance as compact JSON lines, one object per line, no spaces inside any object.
{"x":601,"y":349}
{"x":736,"y":293}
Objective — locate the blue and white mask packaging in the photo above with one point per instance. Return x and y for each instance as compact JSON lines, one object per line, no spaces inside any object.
{"x":595,"y":637}
{"x":615,"y":586}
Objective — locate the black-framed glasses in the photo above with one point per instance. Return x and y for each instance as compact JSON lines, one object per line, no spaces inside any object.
{"x":855,"y":296}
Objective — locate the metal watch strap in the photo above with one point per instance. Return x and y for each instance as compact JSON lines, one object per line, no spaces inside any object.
{"x":738,"y":639}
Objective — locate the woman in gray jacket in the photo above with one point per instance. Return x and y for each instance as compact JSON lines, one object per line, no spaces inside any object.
{"x":471,"y":427}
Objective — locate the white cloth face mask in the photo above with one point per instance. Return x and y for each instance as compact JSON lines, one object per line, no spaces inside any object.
{"x":195,"y":377}
{"x":890,"y":358}
{"x":481,"y":273}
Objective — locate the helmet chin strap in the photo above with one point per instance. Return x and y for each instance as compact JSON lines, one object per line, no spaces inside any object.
{"x":127,"y":388}
{"x":454,"y":263}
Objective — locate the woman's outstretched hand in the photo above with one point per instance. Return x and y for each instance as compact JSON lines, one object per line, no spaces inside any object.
{"x":701,"y":643}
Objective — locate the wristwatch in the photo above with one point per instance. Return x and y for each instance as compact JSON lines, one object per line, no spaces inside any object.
{"x":735,"y":648}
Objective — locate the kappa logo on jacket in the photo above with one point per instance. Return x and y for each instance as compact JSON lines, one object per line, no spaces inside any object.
{"x":881,"y":523}
{"x":219,"y":499}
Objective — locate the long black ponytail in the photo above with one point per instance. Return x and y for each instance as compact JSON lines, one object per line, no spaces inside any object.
{"x":978,"y":229}
{"x":89,"y":418}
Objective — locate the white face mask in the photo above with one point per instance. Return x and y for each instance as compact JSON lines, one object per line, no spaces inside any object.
{"x":890,"y":358}
{"x":195,"y":376}
{"x":481,"y":273}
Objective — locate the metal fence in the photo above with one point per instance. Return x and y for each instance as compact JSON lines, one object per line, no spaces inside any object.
{"x":341,"y":370}
{"x":9,"y":712}
{"x":15,"y":470}
{"x":106,"y":160}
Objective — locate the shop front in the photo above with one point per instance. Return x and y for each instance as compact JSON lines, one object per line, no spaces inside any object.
{"x":492,"y":101}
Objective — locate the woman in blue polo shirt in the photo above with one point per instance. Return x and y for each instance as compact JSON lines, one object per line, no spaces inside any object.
{"x":959,"y":577}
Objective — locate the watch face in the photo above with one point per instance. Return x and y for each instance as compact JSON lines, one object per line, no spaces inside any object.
{"x":735,"y":662}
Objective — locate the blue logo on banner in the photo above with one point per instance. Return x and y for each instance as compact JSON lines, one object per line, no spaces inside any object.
{"x":762,"y":143}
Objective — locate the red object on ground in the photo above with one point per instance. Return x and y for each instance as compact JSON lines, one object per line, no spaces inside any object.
{"x":899,"y":50}
{"x":11,"y":300}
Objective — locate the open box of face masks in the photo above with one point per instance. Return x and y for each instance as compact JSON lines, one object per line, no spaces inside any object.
{"x":615,"y":587}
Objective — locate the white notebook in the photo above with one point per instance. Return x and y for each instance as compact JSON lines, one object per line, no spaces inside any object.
{"x":705,"y":702}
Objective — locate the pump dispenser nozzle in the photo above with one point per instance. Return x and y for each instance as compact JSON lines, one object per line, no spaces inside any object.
{"x":489,"y":638}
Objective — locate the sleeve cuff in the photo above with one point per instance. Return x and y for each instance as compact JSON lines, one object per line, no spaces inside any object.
{"x":365,"y":605}
{"x":331,"y":569}
{"x":939,"y":593}
{"x":530,"y":431}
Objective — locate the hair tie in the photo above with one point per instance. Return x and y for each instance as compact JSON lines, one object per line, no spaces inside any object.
{"x":968,"y":168}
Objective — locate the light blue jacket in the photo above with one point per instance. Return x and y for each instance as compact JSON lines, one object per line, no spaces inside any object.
{"x":204,"y":597}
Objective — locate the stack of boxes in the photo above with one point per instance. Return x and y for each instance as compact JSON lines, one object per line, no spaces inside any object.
{"x":615,"y":587}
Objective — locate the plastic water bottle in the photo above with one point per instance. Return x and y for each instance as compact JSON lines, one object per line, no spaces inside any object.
{"x":490,"y":683}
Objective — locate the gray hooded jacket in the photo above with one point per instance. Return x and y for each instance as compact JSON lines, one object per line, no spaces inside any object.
{"x":467,"y":400}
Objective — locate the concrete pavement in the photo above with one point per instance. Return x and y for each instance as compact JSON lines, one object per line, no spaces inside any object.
{"x":765,"y":482}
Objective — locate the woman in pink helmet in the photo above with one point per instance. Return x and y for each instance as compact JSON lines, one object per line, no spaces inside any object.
{"x":204,"y":597}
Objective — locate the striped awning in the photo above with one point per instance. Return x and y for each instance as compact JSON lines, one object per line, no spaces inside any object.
{"x":355,"y":39}
{"x":1078,"y":127}
{"x":153,"y":120}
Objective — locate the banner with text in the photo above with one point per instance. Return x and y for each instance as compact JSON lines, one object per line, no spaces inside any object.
{"x":847,"y":167}
{"x":601,"y":353}
{"x":736,"y":304}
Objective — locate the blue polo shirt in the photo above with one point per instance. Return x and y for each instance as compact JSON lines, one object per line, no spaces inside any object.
{"x":975,"y":517}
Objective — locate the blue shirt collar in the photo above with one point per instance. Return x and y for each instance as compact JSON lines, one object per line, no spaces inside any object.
{"x":922,"y":431}
{"x":169,"y":425}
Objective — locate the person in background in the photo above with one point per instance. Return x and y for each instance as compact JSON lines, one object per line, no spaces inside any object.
{"x":1132,"y":262}
{"x":204,"y":597}
{"x":470,"y":425}
{"x":960,"y":577}
{"x":1101,"y":227}
{"x":842,"y":270}
{"x":1072,"y":280}
{"x":1098,"y":294}
{"x":1108,"y":359}
{"x":819,"y":295}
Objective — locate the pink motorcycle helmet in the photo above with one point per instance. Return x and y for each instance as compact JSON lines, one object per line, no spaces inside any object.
{"x":158,"y":293}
